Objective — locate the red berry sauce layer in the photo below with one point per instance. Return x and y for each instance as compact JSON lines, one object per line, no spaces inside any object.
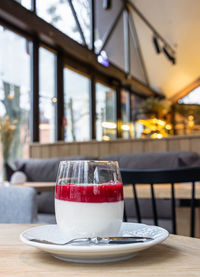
{"x":90,"y":193}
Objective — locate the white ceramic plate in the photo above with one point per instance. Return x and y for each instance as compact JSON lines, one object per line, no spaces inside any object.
{"x":94,"y":253}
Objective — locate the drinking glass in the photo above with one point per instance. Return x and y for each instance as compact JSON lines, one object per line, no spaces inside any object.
{"x":89,"y":198}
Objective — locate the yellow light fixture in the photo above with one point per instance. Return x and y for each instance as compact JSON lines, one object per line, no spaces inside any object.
{"x":54,"y":99}
{"x":10,"y":96}
{"x":191,"y":117}
{"x":168,"y":127}
{"x":109,"y":125}
{"x":155,"y":128}
{"x":156,"y":135}
{"x":125,"y":127}
{"x":106,"y":138}
{"x":44,"y":126}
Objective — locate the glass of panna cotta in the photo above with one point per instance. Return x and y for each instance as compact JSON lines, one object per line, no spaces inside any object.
{"x":89,"y":199}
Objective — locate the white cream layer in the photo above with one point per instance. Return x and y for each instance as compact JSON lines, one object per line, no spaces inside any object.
{"x":78,"y":219}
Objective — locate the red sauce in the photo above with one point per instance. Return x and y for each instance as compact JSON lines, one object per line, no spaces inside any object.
{"x":90,"y":193}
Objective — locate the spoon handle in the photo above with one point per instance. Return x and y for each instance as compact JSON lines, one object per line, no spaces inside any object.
{"x":97,"y":240}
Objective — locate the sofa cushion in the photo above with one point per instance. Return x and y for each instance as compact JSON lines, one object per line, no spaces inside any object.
{"x":45,"y":202}
{"x":45,"y":170}
{"x":165,"y":160}
{"x":17,"y":204}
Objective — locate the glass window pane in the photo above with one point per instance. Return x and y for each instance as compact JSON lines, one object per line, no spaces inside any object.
{"x":15,"y":91}
{"x":58,"y":13}
{"x":125,"y":110}
{"x":76,"y":97}
{"x":47,"y":100}
{"x":106,"y":125}
{"x":136,"y":115}
{"x":25,"y":3}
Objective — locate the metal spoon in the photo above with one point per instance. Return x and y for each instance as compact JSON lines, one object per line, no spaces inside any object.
{"x":96,"y":240}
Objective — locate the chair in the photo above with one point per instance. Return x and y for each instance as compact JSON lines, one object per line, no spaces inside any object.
{"x":161,"y":176}
{"x":17,"y":205}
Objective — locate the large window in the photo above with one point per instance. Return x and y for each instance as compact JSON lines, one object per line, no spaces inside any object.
{"x":47,"y":99}
{"x":15,"y":92}
{"x":106,"y":126}
{"x":76,"y":99}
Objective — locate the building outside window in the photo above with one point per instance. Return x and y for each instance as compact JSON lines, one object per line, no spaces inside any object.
{"x":15,"y":89}
{"x":76,"y":106}
{"x":47,"y":99}
{"x":106,"y":124}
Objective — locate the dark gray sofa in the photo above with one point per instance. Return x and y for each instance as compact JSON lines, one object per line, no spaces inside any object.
{"x":45,"y":170}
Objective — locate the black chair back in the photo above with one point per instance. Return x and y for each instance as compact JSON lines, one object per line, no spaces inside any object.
{"x":161,"y":176}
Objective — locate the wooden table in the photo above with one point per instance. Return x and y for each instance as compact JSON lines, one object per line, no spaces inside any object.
{"x":177,"y":256}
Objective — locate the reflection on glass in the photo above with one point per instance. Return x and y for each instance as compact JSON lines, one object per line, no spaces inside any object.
{"x":47,"y":99}
{"x":58,"y":13}
{"x":76,"y":99}
{"x":136,"y":115}
{"x":15,"y":89}
{"x":25,"y":3}
{"x":126,"y":127}
{"x":106,"y":125}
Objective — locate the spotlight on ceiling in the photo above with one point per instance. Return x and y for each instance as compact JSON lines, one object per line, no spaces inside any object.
{"x":168,"y":55}
{"x":156,"y":44}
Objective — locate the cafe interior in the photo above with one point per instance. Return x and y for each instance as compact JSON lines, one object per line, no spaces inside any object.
{"x":101,"y":80}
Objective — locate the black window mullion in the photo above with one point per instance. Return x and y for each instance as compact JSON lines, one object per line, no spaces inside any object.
{"x":92,"y":24}
{"x":59,"y":135}
{"x":93,"y":107}
{"x":35,"y":92}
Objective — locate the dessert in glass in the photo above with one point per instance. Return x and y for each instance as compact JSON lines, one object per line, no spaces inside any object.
{"x":89,"y":198}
